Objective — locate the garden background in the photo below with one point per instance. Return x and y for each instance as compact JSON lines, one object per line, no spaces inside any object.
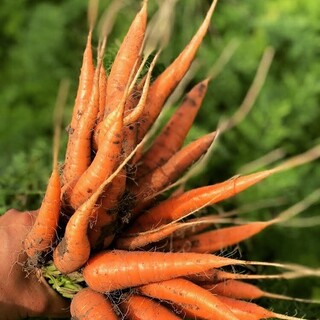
{"x":42,"y":43}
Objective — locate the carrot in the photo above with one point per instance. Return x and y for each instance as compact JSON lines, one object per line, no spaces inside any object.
{"x":246,"y":310}
{"x":245,"y":291}
{"x":118,"y":269}
{"x":88,"y":305}
{"x":103,"y":82}
{"x":125,"y":60}
{"x":78,"y":153}
{"x":166,"y":82}
{"x":219,"y":239}
{"x":42,"y":234}
{"x":141,"y":308}
{"x":181,"y":206}
{"x":173,"y":134}
{"x":106,"y":158}
{"x":190,"y":297}
{"x":157,"y":180}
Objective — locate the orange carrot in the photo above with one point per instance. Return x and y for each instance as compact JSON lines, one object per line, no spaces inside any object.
{"x":246,"y":310}
{"x":106,"y":158}
{"x":88,"y":305}
{"x":245,"y":291}
{"x":125,"y":60}
{"x":166,"y":82}
{"x":141,"y":308}
{"x":169,"y":172}
{"x":118,"y":269}
{"x":103,"y":81}
{"x":171,"y":137}
{"x":181,"y":206}
{"x":190,"y":297}
{"x":219,"y":239}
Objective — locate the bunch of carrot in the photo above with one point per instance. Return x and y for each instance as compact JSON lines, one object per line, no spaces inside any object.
{"x":101,"y":226}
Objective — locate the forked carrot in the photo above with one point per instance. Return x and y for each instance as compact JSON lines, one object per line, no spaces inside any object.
{"x":147,"y":187}
{"x":193,"y":299}
{"x":43,"y":233}
{"x":166,"y":82}
{"x":173,"y":134}
{"x":246,"y":291}
{"x":137,"y":307}
{"x":181,"y":206}
{"x":247,"y":310}
{"x":88,"y":305}
{"x":118,"y":269}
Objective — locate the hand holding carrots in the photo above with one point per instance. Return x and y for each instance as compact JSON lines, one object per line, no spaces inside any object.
{"x":23,"y":294}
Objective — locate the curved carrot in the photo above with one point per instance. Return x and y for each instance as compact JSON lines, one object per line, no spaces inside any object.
{"x":178,"y":207}
{"x":173,"y":134}
{"x":88,"y":305}
{"x":193,"y":299}
{"x":141,"y":308}
{"x":166,"y":82}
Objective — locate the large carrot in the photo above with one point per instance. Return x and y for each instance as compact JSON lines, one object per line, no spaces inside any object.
{"x":88,"y":305}
{"x":118,"y":269}
{"x":181,"y":206}
{"x":166,"y":82}
{"x":173,"y":134}
{"x":193,"y":299}
{"x":141,"y":308}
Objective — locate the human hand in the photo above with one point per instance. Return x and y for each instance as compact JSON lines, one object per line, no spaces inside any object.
{"x":23,"y":294}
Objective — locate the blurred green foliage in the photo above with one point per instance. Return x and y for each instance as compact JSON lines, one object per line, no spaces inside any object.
{"x":42,"y":43}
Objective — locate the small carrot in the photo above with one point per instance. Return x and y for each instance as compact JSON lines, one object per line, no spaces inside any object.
{"x":246,"y":291}
{"x":166,"y":82}
{"x":125,"y":60}
{"x":118,"y":269}
{"x":141,"y":308}
{"x":173,"y":134}
{"x":88,"y":305}
{"x":42,"y":234}
{"x":247,"y":310}
{"x":193,"y":299}
{"x":103,"y":82}
{"x":151,"y":184}
{"x":181,"y":206}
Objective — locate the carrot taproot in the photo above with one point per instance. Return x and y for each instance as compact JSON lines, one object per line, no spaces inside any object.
{"x":125,"y":60}
{"x":236,"y":289}
{"x":88,"y":304}
{"x":78,"y":153}
{"x":181,"y":206}
{"x":245,"y":309}
{"x":103,"y":82}
{"x":190,"y":297}
{"x":137,"y":307}
{"x":166,"y":82}
{"x":105,"y":160}
{"x":219,"y":239}
{"x":171,"y":137}
{"x":119,"y":269}
{"x":43,"y":233}
{"x":148,"y":186}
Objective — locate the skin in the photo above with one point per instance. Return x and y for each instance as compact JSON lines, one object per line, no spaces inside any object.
{"x":23,"y":294}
